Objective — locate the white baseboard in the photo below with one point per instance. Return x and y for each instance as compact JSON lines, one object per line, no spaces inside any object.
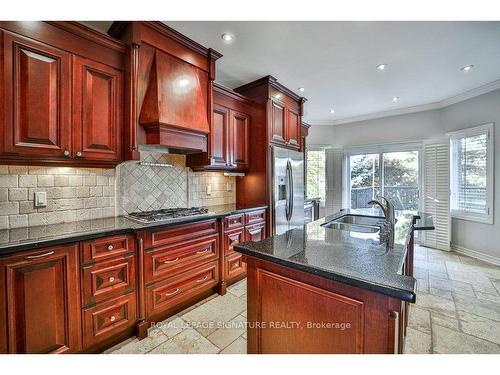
{"x":475,"y":254}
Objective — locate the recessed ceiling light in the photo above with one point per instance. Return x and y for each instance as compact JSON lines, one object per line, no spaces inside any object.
{"x":277,"y":96}
{"x":332,"y":111}
{"x":466,"y":68}
{"x":381,"y":66}
{"x":395,"y":98}
{"x":226,"y":37}
{"x":301,"y":89}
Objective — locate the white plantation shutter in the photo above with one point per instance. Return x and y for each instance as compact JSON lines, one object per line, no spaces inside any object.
{"x":333,"y":181}
{"x":437,"y":194}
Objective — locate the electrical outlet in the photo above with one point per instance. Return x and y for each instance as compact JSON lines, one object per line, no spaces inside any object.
{"x":229,"y":187}
{"x":41,"y":199}
{"x":209,"y":190}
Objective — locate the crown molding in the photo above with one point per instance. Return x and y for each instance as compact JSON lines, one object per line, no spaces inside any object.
{"x":484,"y":89}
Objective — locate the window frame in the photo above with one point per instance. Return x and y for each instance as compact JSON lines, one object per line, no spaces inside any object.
{"x":378,"y":149}
{"x":488,"y":217}
{"x":322,"y":202}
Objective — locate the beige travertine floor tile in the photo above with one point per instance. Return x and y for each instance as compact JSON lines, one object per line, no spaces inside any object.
{"x":441,"y":293}
{"x":437,"y":304}
{"x":188,"y":341}
{"x":451,"y":285}
{"x":423,"y":285}
{"x":438,"y":255}
{"x":155,"y":338}
{"x":215,"y":312}
{"x":239,"y":346}
{"x":420,"y":273}
{"x":437,"y":266}
{"x":225,"y":336}
{"x":444,"y":321}
{"x":489,"y":297}
{"x":419,"y":319}
{"x":421,"y":253}
{"x":476,"y":276}
{"x":480,"y":327}
{"x":239,"y":288}
{"x":417,"y":342}
{"x":480,"y":307}
{"x":448,"y":341}
{"x":476,"y":262}
{"x":172,"y":326}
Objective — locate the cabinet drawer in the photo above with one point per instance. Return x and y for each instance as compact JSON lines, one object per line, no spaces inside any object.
{"x":166,"y":294}
{"x":255,"y":232}
{"x":181,"y":233}
{"x":170,"y":260}
{"x":234,"y":266}
{"x":107,"y":279}
{"x":106,"y":248}
{"x":233,"y":238}
{"x":107,"y":319}
{"x":234,"y":221}
{"x":255,"y":217}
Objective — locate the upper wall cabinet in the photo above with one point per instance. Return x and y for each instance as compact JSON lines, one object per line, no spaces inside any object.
{"x":229,"y":133}
{"x":284,"y":110}
{"x":62,"y":93}
{"x":170,"y":81}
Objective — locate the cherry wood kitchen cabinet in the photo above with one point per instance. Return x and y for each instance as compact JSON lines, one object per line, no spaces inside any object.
{"x":229,"y":134}
{"x":62,"y":95}
{"x":40,"y":301}
{"x":97,"y":110}
{"x":238,"y":228}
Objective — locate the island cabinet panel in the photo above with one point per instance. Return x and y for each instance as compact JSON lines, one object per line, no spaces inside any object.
{"x":41,"y":299}
{"x":331,"y":317}
{"x":97,"y":110}
{"x":36,"y":92}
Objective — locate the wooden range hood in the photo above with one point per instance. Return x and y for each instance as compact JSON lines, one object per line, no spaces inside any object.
{"x":173,"y":78}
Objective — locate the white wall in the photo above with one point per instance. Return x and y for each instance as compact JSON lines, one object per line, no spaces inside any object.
{"x":483,"y":238}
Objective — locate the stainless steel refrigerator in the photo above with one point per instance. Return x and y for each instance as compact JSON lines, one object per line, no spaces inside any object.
{"x":287,"y":189}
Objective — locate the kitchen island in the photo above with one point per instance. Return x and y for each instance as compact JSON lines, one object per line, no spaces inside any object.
{"x":331,"y":289}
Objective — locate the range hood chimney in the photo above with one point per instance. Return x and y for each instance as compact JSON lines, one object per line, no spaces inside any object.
{"x":175,"y":111}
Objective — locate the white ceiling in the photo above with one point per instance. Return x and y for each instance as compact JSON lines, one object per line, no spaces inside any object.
{"x":335,"y":61}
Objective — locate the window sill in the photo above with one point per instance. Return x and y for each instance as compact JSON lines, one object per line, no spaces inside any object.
{"x":477,"y":218}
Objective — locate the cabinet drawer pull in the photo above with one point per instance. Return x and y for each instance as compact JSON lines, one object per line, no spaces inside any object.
{"x":113,"y":318}
{"x":172,"y":293}
{"x":202,"y":251}
{"x":111,"y":279}
{"x":31,"y":257}
{"x":171,"y":261}
{"x":110,"y":247}
{"x":234,"y":243}
{"x":202,"y":280}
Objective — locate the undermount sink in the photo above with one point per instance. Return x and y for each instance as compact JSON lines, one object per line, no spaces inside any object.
{"x":359,"y":220}
{"x":356,"y":223}
{"x":352,"y":227}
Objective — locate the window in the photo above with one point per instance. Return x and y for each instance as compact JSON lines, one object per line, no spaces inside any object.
{"x":391,"y":171}
{"x":316,"y":174}
{"x":472,"y":174}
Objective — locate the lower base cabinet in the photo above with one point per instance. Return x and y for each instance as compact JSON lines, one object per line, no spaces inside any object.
{"x":105,"y":320}
{"x":40,"y":302}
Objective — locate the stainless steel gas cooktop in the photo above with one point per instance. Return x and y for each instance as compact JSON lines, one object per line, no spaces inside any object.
{"x":166,"y":214}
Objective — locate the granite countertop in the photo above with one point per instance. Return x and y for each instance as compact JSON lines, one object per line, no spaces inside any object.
{"x":353,"y":258}
{"x":19,"y":239}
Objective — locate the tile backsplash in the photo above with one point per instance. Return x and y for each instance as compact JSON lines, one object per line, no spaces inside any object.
{"x":75,"y":194}
{"x":143,"y":188}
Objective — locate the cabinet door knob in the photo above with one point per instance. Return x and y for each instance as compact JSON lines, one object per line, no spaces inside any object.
{"x":110,"y":247}
{"x":79,"y":154}
{"x":66,"y":153}
{"x":111,"y":279}
{"x":113,"y":318}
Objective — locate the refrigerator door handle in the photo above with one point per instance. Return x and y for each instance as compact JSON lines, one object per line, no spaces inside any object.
{"x":291,"y":188}
{"x":287,"y":192}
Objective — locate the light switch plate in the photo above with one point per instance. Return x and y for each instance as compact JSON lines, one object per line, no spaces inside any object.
{"x":209,"y":189}
{"x":229,"y":186}
{"x":40,"y":199}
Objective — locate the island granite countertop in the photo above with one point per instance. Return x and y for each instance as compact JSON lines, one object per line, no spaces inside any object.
{"x":353,"y":258}
{"x":28,"y":238}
